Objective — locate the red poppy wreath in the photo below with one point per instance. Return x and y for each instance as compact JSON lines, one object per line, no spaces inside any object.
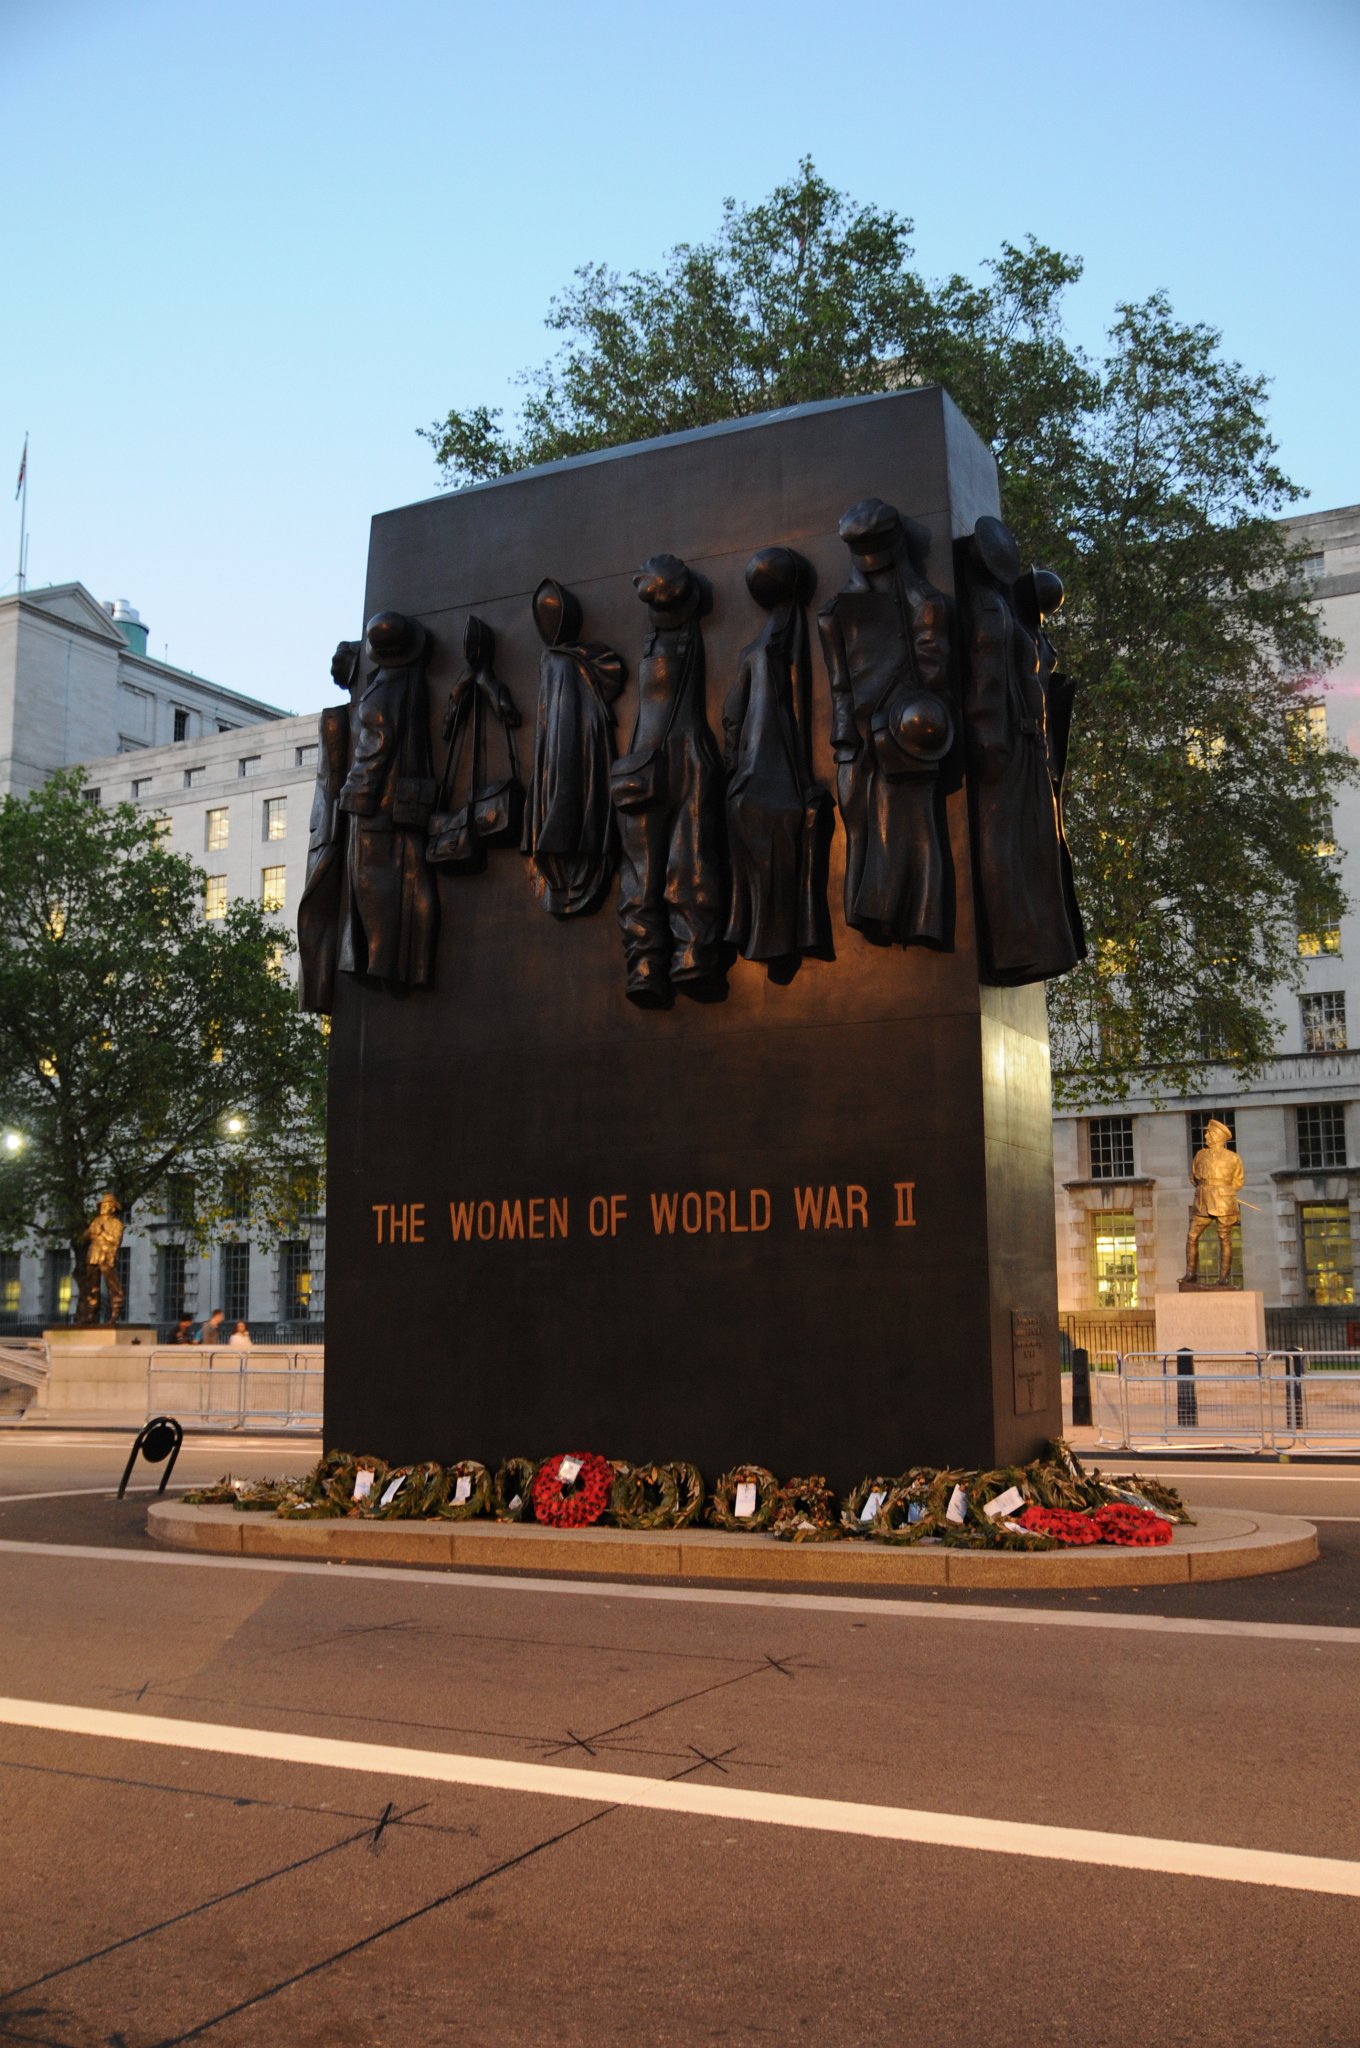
{"x":572,"y":1490}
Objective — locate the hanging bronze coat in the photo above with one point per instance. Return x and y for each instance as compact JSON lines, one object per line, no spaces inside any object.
{"x":569,"y":831}
{"x":779,"y":822}
{"x":391,"y":919}
{"x":1030,"y":923}
{"x":885,"y":638}
{"x":318,"y":920}
{"x":667,"y":791}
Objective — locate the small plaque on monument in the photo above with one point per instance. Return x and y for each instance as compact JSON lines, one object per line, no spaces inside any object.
{"x":1027,"y":1356}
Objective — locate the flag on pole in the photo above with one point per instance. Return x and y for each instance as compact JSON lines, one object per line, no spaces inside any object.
{"x":23,"y":468}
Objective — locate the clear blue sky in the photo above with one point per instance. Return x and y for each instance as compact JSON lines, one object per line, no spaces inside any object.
{"x":251,"y":247}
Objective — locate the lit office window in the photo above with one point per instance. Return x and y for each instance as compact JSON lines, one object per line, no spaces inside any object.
{"x":295,"y":1279}
{"x":9,"y":1284}
{"x":272,"y":882}
{"x":218,"y":824}
{"x":1111,"y":1141}
{"x":1324,"y":1021}
{"x":61,"y":1287}
{"x":1321,"y":1129}
{"x":215,"y":896}
{"x":1114,"y":1261}
{"x":1328,"y":1259}
{"x":1327,"y":939}
{"x":276,"y":817}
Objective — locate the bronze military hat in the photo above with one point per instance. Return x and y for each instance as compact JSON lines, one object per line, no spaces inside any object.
{"x":1038,"y":594}
{"x":665,"y":583}
{"x":992,"y":546}
{"x":557,"y":613}
{"x":393,"y":639}
{"x":872,"y":531}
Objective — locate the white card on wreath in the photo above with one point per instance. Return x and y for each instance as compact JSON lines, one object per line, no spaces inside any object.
{"x":746,"y":1497}
{"x":1005,"y":1503}
{"x":569,"y":1469}
{"x":871,"y":1507}
{"x":463,"y":1488}
{"x":363,"y":1484}
{"x":957,"y":1510}
{"x":390,"y":1493}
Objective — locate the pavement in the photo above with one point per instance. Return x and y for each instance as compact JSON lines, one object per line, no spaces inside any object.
{"x":249,"y":1801}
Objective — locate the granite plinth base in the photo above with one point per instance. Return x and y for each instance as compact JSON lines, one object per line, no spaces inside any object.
{"x":1221,"y":1545}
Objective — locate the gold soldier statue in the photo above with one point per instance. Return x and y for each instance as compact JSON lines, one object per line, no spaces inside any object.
{"x":1217,"y":1175}
{"x":104,"y":1235}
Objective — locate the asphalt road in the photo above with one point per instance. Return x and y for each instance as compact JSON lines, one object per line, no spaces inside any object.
{"x":478,"y":1811}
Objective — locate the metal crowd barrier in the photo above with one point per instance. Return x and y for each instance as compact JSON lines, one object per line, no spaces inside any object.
{"x":1264,"y":1400}
{"x":226,"y":1389}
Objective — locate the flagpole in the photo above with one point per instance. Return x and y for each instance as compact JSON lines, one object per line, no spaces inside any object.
{"x":23,"y":509}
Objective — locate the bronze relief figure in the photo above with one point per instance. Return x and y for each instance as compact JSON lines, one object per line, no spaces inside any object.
{"x":318,"y":921}
{"x":569,"y":830}
{"x":779,"y":821}
{"x":1016,"y":716}
{"x":885,"y":638}
{"x":667,"y":791}
{"x":390,"y":918}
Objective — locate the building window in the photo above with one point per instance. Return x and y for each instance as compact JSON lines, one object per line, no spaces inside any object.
{"x":179,"y":1198}
{"x":61,"y":1287}
{"x":249,"y":764}
{"x":218,"y":823}
{"x":295,"y":1279}
{"x":1321,"y":1128}
{"x":1328,"y":1261}
{"x":1326,"y":939}
{"x":222,"y":726}
{"x":1114,"y":1261}
{"x":91,"y":796}
{"x":276,"y":817}
{"x":214,"y":896}
{"x":9,"y":1286}
{"x":1324,"y":1021}
{"x":1199,"y":1118}
{"x":170,"y":1264}
{"x":272,"y":887}
{"x":181,"y":724}
{"x":162,"y":828}
{"x":236,"y":1195}
{"x":192,"y":777}
{"x":1111,"y":1141}
{"x":236,"y":1283}
{"x":140,"y":785}
{"x":1311,"y":567}
{"x":305,"y":757}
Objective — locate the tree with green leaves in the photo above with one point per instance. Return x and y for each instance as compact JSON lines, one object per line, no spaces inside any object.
{"x":1199,"y":784}
{"x":145,"y":1050}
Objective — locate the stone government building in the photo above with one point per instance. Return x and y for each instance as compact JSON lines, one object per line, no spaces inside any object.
{"x":1122,"y":1172}
{"x":234,"y":777}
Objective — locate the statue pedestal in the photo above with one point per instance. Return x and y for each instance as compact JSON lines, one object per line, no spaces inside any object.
{"x":1211,"y":1319}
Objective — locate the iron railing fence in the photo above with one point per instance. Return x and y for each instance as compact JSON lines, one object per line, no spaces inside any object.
{"x":225,"y":1389}
{"x":1104,"y":1333}
{"x":1259,"y":1400}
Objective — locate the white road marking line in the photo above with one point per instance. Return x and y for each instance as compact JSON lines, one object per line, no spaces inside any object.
{"x":720,"y":1802}
{"x":888,"y":1609}
{"x":75,"y":1492}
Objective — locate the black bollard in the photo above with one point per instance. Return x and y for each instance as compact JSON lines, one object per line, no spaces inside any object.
{"x":1081,"y":1387}
{"x":1187,"y":1401}
{"x":157,"y":1439}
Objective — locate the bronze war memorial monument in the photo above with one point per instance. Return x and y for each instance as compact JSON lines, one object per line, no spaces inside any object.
{"x":686,"y":866}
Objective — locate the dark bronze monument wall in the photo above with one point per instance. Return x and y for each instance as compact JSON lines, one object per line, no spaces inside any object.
{"x":910,"y":1103}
